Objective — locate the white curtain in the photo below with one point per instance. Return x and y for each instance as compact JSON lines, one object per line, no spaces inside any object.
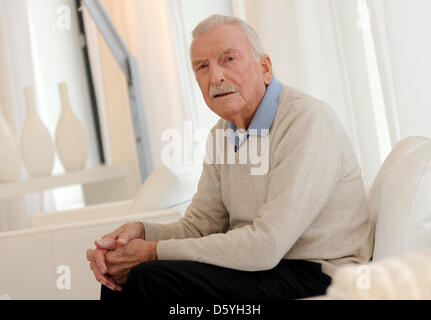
{"x":403,"y":45}
{"x":318,"y":47}
{"x":368,"y":59}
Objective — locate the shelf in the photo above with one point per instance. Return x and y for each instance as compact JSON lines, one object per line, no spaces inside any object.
{"x":89,"y":176}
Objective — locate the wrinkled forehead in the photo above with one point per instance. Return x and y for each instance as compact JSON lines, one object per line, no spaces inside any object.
{"x":218,"y":40}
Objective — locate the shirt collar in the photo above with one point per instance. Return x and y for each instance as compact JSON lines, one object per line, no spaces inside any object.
{"x":264,"y":115}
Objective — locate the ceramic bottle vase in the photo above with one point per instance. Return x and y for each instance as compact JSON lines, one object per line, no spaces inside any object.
{"x":37,"y":148}
{"x":71,"y":138}
{"x":10,"y":159}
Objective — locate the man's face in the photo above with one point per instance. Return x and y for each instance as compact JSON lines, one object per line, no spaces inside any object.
{"x":231,"y":81}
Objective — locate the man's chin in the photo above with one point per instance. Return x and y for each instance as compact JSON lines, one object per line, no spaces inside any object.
{"x":227,"y":108}
{"x":228,"y":112}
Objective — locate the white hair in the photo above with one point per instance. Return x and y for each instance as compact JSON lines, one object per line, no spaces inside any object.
{"x":216,"y":20}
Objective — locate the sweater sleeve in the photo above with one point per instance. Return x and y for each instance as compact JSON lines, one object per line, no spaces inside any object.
{"x":305,"y":167}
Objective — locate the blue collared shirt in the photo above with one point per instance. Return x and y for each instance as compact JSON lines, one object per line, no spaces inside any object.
{"x":263,"y":117}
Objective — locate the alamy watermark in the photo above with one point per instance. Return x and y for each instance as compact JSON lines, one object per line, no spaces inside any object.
{"x":363,"y":281}
{"x":63,"y":21}
{"x":214,"y":147}
{"x":65,"y":277}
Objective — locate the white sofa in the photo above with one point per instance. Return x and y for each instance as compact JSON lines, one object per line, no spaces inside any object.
{"x":400,"y":205}
{"x":30,"y":258}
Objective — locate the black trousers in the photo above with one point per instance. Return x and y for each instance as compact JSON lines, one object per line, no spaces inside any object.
{"x":186,"y":281}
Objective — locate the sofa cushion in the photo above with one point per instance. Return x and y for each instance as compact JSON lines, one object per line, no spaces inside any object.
{"x":166,"y":187}
{"x":403,"y":277}
{"x":400,"y":199}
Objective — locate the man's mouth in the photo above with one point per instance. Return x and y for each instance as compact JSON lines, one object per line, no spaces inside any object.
{"x":224,"y":94}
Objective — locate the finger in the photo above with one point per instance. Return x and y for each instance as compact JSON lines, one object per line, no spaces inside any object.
{"x":105,"y":280}
{"x":114,"y":234}
{"x":100,"y":260}
{"x":121,"y":278}
{"x":90,"y":254}
{"x":123,"y":238}
{"x":106,"y":243}
{"x":114,"y":285}
{"x":108,"y":239}
{"x":99,"y":276}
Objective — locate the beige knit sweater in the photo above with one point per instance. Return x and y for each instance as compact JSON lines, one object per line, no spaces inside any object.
{"x":310,"y":205}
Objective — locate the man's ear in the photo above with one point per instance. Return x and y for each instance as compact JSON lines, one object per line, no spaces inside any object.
{"x":266,"y":65}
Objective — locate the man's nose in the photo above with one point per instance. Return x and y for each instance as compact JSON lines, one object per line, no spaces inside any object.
{"x":216,"y":75}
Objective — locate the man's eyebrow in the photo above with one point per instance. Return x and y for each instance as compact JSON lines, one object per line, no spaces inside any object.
{"x":228,"y":50}
{"x":196,"y":62}
{"x":224,"y":51}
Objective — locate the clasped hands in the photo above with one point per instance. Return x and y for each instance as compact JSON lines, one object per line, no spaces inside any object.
{"x":118,"y":252}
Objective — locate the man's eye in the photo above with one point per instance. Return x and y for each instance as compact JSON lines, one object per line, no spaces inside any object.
{"x":202,"y":66}
{"x":229,"y":58}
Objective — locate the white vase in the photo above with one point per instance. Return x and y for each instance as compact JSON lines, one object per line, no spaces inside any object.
{"x":37,"y":148}
{"x":71,"y":138}
{"x":10,"y":160}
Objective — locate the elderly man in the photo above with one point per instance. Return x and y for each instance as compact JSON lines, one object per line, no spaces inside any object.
{"x":277,"y":235}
